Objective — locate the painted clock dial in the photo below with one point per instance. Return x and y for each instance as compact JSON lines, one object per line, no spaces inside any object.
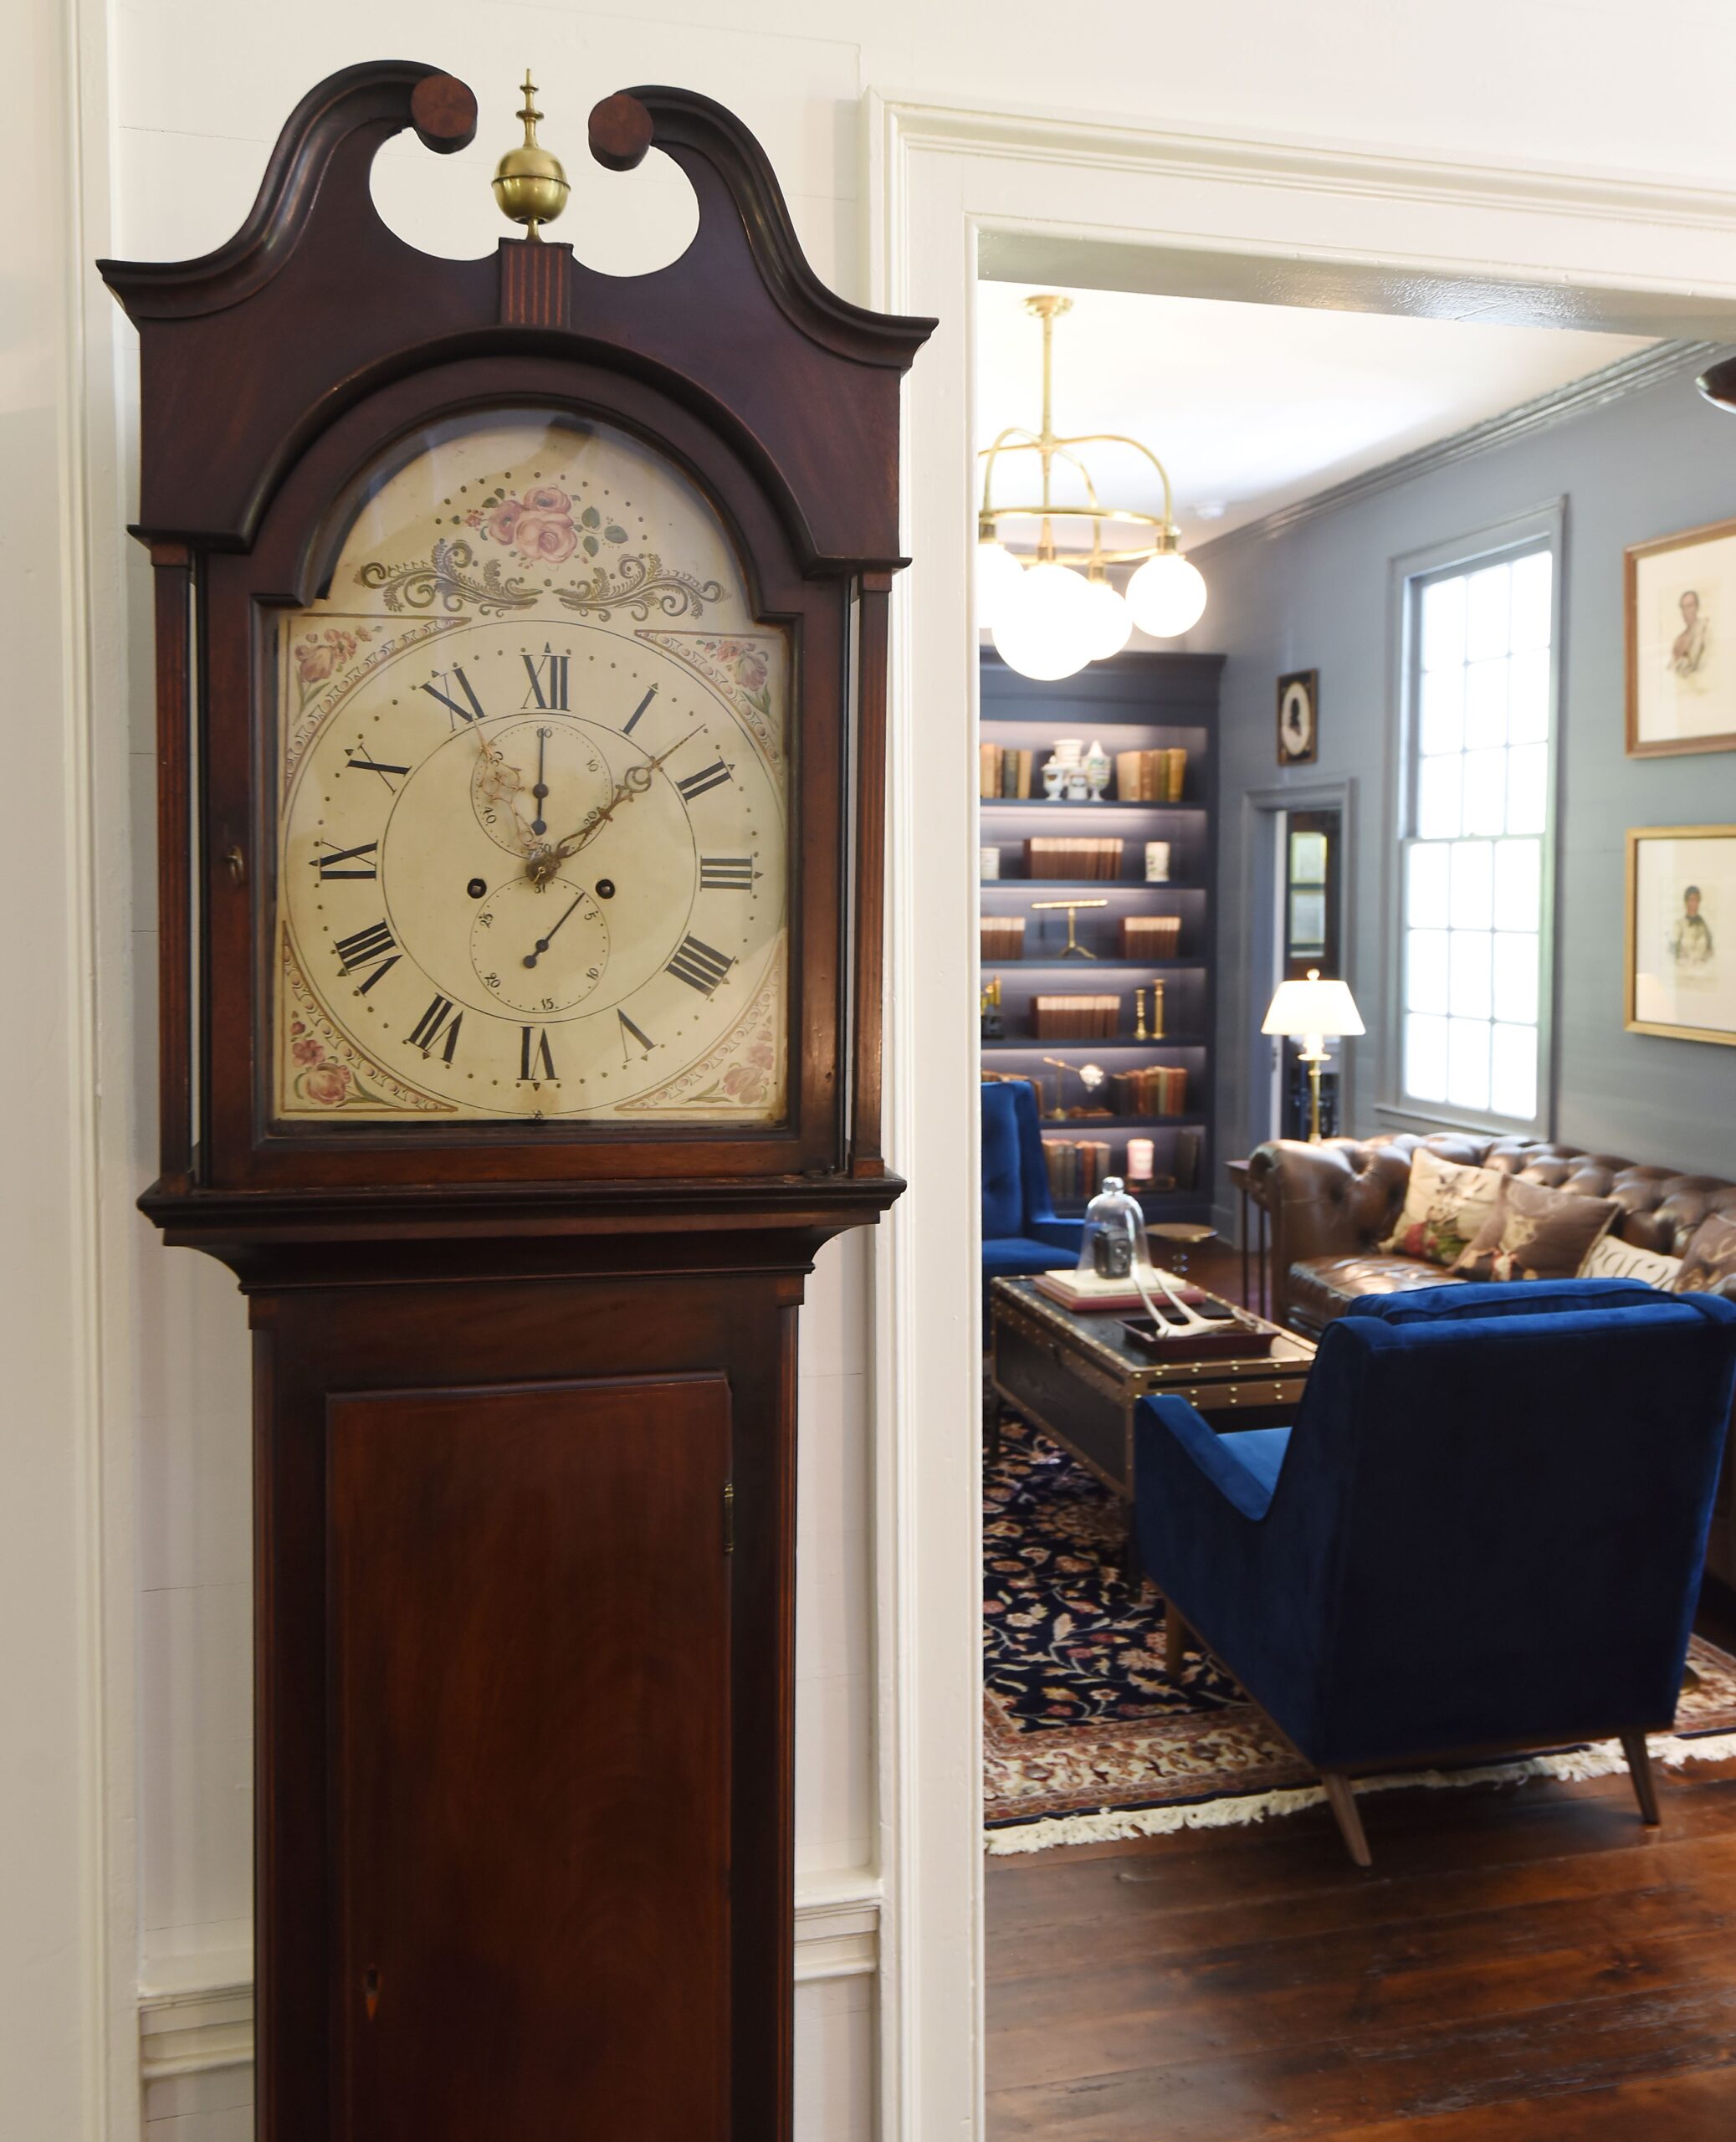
{"x":532,"y":798}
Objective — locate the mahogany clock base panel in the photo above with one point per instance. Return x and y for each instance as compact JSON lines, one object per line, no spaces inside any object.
{"x":525,"y":1630}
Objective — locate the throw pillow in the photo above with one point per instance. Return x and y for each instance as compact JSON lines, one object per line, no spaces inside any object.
{"x":1708,"y":1265}
{"x":1445,"y":1205}
{"x":1610,"y":1258}
{"x":1535,"y":1233}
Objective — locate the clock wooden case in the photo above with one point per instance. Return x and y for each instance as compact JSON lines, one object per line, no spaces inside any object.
{"x":520,"y":674}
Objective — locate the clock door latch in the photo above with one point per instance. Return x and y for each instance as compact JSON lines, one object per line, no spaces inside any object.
{"x":728,"y":1517}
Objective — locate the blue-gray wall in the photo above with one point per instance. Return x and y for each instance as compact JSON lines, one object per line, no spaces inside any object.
{"x":1319,"y":595}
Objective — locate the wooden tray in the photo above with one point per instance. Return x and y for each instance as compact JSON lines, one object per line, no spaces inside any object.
{"x":1238,"y":1341}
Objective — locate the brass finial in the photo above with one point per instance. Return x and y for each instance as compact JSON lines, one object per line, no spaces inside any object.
{"x":530,"y":182}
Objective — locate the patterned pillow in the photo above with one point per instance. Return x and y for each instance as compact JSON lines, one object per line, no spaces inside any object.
{"x":1708,"y":1265}
{"x":1536,"y":1233}
{"x":1610,"y":1258}
{"x":1445,"y":1205}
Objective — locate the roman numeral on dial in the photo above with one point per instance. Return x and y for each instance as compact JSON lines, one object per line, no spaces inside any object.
{"x":548,"y":681}
{"x":375,"y":948}
{"x":699,"y":965}
{"x":327,"y":865}
{"x":726,"y":873}
{"x":439,"y":1019}
{"x":536,"y":1061}
{"x":696,"y":784}
{"x":637,"y":1034}
{"x":361,"y":763}
{"x":469,"y":708}
{"x":632,"y":720}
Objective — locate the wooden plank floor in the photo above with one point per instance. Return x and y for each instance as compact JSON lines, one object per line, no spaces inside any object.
{"x":1521,"y":1964}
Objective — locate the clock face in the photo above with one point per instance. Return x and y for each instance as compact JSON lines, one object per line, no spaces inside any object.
{"x":532,"y":799}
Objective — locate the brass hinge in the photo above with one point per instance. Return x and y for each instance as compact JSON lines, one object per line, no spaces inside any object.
{"x":729,"y":1518}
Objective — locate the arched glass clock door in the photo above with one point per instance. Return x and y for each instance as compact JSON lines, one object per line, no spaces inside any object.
{"x":532,"y":760}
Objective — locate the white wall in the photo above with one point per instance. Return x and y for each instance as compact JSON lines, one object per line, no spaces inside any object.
{"x":180,"y":100}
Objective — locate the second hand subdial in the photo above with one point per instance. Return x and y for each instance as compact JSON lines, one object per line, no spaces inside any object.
{"x":541,"y":980}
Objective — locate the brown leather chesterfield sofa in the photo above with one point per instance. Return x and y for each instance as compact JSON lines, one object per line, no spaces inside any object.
{"x":1330,"y":1205}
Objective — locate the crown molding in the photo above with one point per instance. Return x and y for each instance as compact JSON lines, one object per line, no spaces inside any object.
{"x":1079,"y":140}
{"x":1628,"y":375}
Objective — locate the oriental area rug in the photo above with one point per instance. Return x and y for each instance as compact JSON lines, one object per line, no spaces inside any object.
{"x":1087,"y":1738}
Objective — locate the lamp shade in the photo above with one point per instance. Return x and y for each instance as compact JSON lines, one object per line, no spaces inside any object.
{"x":1313,"y":1007}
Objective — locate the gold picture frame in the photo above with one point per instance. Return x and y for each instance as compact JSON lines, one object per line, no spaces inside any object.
{"x":1299,"y":717}
{"x":1680,"y":615}
{"x":1680,"y":932}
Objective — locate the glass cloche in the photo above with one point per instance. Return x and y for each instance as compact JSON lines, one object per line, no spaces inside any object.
{"x":1112,"y":1243}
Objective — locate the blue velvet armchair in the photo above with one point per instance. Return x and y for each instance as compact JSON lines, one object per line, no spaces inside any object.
{"x":1484,"y":1531}
{"x":1020,"y":1231}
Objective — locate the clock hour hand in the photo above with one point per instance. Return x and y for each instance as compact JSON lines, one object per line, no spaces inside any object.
{"x":543,"y":943}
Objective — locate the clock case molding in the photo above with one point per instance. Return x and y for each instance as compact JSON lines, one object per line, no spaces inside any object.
{"x":481,"y":1303}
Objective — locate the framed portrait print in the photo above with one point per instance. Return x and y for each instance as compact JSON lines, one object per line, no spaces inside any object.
{"x":1681,"y":642}
{"x":1299,"y":717}
{"x":1682,"y":932}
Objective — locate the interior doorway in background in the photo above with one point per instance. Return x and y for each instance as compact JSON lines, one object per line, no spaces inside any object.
{"x":1309,"y":934}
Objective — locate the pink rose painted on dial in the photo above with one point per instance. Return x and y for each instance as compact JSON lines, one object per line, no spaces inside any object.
{"x":547,"y":498}
{"x":329,"y":1085}
{"x":310,"y":1050}
{"x":502,"y":524}
{"x":545,"y":538}
{"x":750,"y":671}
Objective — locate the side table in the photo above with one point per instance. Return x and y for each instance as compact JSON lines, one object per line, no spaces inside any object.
{"x":1240,"y":1172}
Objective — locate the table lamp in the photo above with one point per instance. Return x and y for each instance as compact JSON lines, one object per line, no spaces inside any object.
{"x":1314,"y":1009}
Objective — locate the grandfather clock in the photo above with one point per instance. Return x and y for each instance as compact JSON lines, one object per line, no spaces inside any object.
{"x":520,"y":672}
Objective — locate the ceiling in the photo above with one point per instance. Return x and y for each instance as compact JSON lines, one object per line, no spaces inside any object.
{"x":1251,"y":406}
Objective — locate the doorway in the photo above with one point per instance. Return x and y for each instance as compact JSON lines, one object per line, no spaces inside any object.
{"x":1310,"y":938}
{"x":950,"y":190}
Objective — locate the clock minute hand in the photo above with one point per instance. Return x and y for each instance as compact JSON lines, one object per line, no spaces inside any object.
{"x":543,"y":943}
{"x":637,"y":780}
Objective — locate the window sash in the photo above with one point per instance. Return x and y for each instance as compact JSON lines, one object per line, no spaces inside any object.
{"x":1470,"y":1029}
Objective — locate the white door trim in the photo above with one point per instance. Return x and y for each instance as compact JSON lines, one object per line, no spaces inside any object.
{"x":1193,"y":212}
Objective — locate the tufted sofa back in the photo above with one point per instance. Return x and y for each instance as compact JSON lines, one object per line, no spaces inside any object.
{"x":1344,"y":1194}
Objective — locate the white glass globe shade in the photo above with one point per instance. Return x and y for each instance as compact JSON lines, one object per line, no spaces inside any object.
{"x":1112,"y":622}
{"x":999,"y":578}
{"x":1166,"y":595}
{"x":1047,"y":632}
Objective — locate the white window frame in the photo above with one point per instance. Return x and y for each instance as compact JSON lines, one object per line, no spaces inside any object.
{"x":1542,"y":528}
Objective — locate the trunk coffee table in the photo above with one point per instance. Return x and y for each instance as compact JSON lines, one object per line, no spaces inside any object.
{"x":1078,"y":1377}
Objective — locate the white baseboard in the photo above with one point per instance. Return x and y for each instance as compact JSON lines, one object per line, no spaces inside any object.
{"x":196,"y":2013}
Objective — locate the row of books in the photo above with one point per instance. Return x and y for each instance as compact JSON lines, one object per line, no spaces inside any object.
{"x":1151,"y":776}
{"x":1073,"y":856}
{"x":1076,"y":1016}
{"x":1151,"y":936}
{"x":1003,"y":937}
{"x":1002,"y":771}
{"x":1006,"y":772}
{"x":1076,"y":1166}
{"x":1154,"y":1089}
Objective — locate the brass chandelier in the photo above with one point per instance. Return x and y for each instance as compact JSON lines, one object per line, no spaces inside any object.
{"x":1052,"y":616}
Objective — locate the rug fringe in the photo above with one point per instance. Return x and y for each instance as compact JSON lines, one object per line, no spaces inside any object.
{"x":1227,"y":1811}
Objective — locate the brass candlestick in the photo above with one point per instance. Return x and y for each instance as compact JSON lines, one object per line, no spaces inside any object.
{"x":1139,"y":1033}
{"x":1072,"y":949}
